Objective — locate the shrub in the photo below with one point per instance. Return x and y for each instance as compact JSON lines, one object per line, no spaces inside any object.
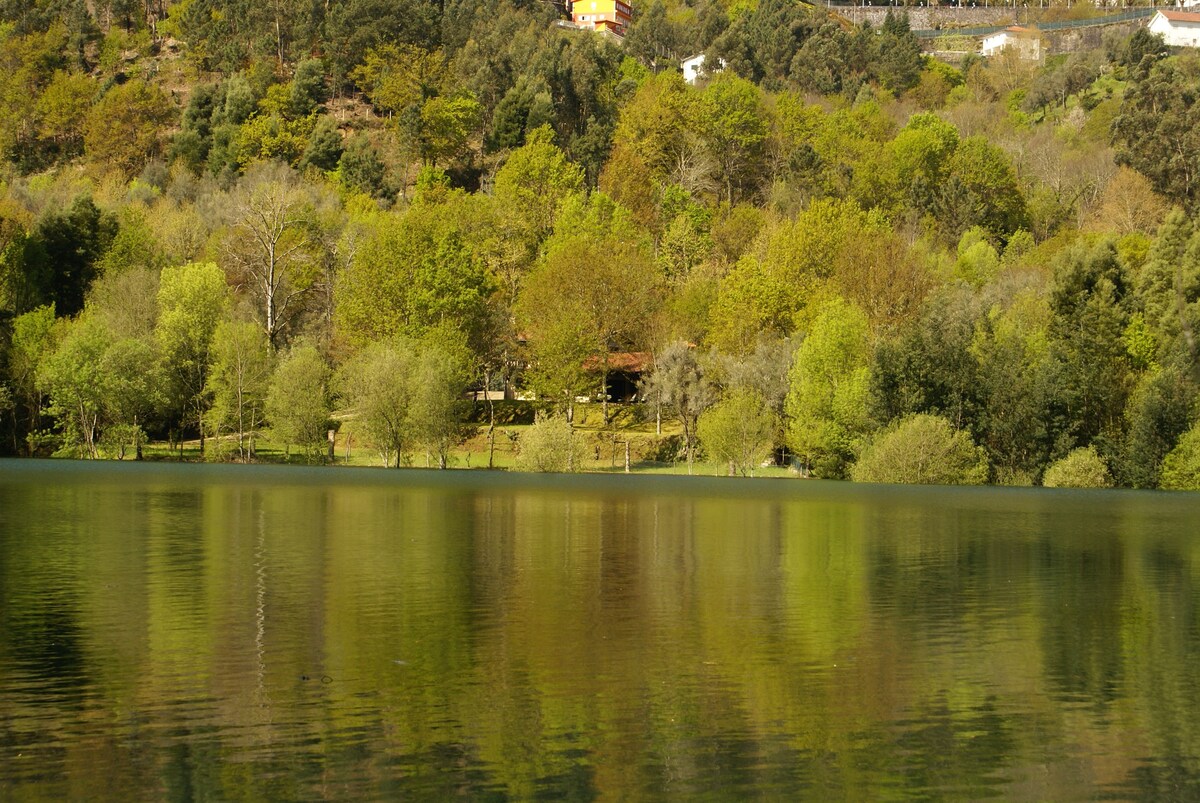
{"x":550,"y":445}
{"x":738,"y":430}
{"x":1181,"y":469}
{"x":1082,"y":468}
{"x":923,"y":450}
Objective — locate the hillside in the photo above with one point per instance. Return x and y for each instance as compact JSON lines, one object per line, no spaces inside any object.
{"x":227,"y":220}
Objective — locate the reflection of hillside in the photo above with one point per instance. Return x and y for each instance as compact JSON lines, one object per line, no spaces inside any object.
{"x":249,"y":640}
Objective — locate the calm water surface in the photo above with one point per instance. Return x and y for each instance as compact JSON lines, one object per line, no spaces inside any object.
{"x":190,"y":632}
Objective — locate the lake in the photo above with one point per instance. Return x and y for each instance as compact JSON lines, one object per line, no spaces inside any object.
{"x":189,"y":632}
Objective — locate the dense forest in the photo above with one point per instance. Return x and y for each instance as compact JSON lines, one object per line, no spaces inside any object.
{"x":229,"y":220}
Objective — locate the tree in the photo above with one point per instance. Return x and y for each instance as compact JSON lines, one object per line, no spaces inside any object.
{"x":654,"y":124}
{"x":307,"y":90}
{"x":1090,"y":302}
{"x":732,"y":124}
{"x":827,"y":405}
{"x":1168,"y":287}
{"x":237,"y":384}
{"x":374,"y":384}
{"x":1082,"y":468}
{"x":981,"y":189}
{"x":772,"y":290}
{"x":73,"y":379}
{"x":298,"y":400}
{"x":360,"y":169}
{"x":62,"y":110}
{"x":440,"y":376}
{"x":929,"y":367}
{"x":598,"y":283}
{"x":131,"y":393}
{"x":1181,"y":469}
{"x":897,"y":59}
{"x":31,"y":342}
{"x":416,"y":272}
{"x":325,"y":147}
{"x":20,"y":261}
{"x":678,"y":384}
{"x":549,"y":445}
{"x":1015,"y":378}
{"x":447,"y":125}
{"x":406,"y":394}
{"x":1129,"y":204}
{"x":1157,"y":415}
{"x":653,"y":39}
{"x":922,"y":450}
{"x":125,"y":127}
{"x":531,"y":185}
{"x":739,"y":430}
{"x":126,"y":301}
{"x":72,"y":242}
{"x":1156,"y":132}
{"x":272,"y":247}
{"x":192,"y":301}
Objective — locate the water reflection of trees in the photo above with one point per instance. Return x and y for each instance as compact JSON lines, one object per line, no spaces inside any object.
{"x":535,"y":643}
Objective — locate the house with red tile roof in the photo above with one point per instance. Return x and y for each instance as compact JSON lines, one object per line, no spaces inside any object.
{"x":1177,"y":28}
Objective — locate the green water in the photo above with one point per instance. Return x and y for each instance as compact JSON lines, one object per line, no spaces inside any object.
{"x":191,"y":632}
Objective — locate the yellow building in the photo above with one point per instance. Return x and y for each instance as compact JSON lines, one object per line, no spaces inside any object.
{"x":612,"y":16}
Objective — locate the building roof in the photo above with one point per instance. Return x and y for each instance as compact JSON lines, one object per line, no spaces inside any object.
{"x":1019,"y":30}
{"x":1181,"y":16}
{"x":633,"y":361}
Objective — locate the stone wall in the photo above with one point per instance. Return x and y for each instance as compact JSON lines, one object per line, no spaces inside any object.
{"x":927,"y":18}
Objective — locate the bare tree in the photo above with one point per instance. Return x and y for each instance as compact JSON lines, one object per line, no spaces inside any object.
{"x":273,"y":247}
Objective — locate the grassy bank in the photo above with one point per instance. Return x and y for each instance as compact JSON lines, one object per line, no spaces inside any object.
{"x":650,"y":447}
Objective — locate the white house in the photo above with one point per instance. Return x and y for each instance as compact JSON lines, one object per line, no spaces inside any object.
{"x":1026,"y":41}
{"x":1177,"y":28}
{"x":692,"y":67}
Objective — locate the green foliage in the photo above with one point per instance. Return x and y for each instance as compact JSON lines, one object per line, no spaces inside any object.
{"x":739,"y":431}
{"x":1181,"y":469}
{"x":1168,"y":286}
{"x":1017,"y":385}
{"x":1154,"y":133}
{"x":1159,"y":411}
{"x":981,"y":189}
{"x":596,"y":289}
{"x":131,"y":393}
{"x":71,"y":243}
{"x":550,"y":445}
{"x":1090,"y":305}
{"x":237,"y":385}
{"x":71,"y":379}
{"x":325,"y":148}
{"x":192,"y":301}
{"x":360,"y":168}
{"x":298,"y":401}
{"x":93,"y":382}
{"x":31,"y":340}
{"x":928,"y":367}
{"x":125,"y":127}
{"x":731,"y":123}
{"x":532,"y":184}
{"x":829,"y":382}
{"x":447,"y":125}
{"x":679,"y":385}
{"x":1082,"y":468}
{"x":405,"y":395}
{"x":1005,"y":272}
{"x":415,"y":272}
{"x":922,"y":450}
{"x":770,"y":290}
{"x":307,"y":91}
